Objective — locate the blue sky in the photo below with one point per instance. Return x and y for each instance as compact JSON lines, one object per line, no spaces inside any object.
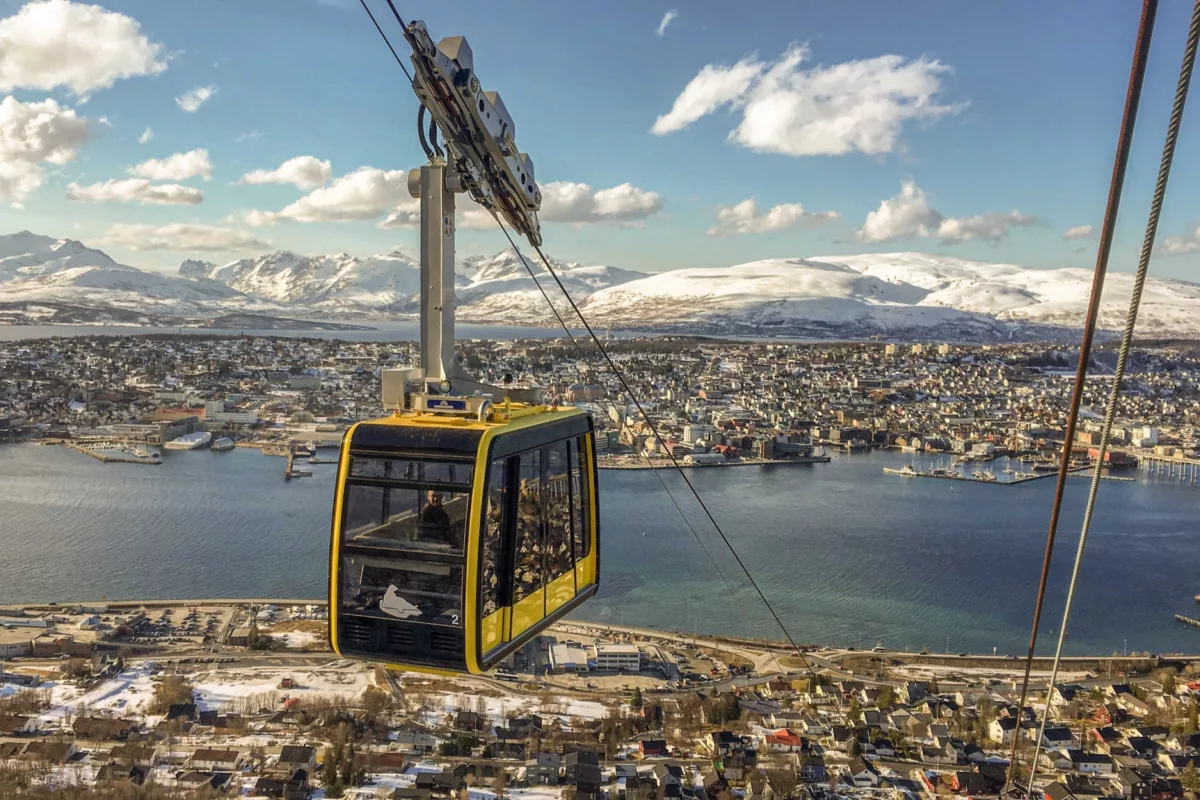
{"x":1000,"y":121}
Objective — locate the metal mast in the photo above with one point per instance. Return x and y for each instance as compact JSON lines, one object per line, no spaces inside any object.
{"x":480,"y":159}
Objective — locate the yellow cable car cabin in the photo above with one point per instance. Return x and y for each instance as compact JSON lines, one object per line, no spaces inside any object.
{"x":455,"y":540}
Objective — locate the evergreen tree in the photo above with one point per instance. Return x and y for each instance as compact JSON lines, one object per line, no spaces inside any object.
{"x":636,"y":700}
{"x":1189,"y":778}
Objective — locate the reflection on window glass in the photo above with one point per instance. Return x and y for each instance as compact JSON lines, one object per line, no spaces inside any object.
{"x":401,"y":516}
{"x":557,"y":503}
{"x":528,"y":572}
{"x":409,"y":589}
{"x":404,"y":469}
{"x":493,"y":537}
{"x":580,"y":517}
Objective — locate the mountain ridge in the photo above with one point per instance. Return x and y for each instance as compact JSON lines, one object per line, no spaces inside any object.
{"x":850,"y":296}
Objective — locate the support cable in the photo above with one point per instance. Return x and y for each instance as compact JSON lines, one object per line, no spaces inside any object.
{"x":1133,"y":95}
{"x":407,"y":74}
{"x":682,"y":474}
{"x":579,"y":349}
{"x":1135,"y":299}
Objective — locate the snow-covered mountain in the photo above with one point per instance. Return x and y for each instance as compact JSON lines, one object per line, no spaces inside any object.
{"x":501,"y":289}
{"x":379,"y":282}
{"x":894,"y":294}
{"x":37,"y":268}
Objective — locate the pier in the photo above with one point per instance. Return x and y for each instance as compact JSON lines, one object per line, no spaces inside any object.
{"x":105,"y":458}
{"x":1173,"y":467}
{"x":1187,"y":620}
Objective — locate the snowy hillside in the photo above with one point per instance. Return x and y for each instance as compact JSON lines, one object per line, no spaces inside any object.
{"x":339,"y":280}
{"x":42,"y":269}
{"x":892,"y":294}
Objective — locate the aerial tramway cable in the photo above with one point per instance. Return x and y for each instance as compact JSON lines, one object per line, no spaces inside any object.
{"x":620,"y":377}
{"x":1135,"y":299}
{"x":1133,"y":94}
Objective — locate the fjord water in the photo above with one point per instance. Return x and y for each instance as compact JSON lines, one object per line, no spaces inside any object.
{"x":846,"y":554}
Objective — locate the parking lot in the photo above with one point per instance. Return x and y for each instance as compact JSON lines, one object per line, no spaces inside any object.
{"x":185,"y":626}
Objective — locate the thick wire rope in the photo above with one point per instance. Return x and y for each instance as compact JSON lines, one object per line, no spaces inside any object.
{"x":1135,"y":299}
{"x":1137,"y":75}
{"x":383,"y":35}
{"x":628,"y":391}
{"x":579,"y":349}
{"x":682,"y":473}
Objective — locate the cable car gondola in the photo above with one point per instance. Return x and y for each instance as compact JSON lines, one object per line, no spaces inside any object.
{"x":458,"y":539}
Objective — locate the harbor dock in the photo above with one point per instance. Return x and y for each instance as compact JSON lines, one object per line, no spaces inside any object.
{"x":1187,"y":620}
{"x":106,"y":458}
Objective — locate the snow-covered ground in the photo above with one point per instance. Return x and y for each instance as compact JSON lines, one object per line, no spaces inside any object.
{"x":221,"y":688}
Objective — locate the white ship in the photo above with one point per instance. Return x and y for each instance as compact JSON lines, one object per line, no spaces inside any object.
{"x":223,"y":444}
{"x":189,"y":441}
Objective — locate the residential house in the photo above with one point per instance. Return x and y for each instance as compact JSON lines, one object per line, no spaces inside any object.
{"x":122,"y":773}
{"x":186,"y":711}
{"x":1003,"y":730}
{"x":1142,"y":747}
{"x":652,"y":747}
{"x":1134,"y":784}
{"x":784,"y":741}
{"x":668,"y":775}
{"x":812,"y":768}
{"x":861,"y":774}
{"x":884,"y":748}
{"x":912,"y":692}
{"x":737,"y":764}
{"x":208,"y":759}
{"x":17,"y":724}
{"x":294,"y":787}
{"x":294,"y":757}
{"x":470,"y":722}
{"x":102,"y":728}
{"x":543,"y":769}
{"x":46,"y":751}
{"x":785,"y":719}
{"x":388,"y":762}
{"x":140,"y":755}
{"x":573,"y":761}
{"x":413,"y":740}
{"x":1091,"y":763}
{"x":217,"y":781}
{"x":1057,"y":737}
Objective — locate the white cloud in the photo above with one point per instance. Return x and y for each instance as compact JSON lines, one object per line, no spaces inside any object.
{"x":82,"y":47}
{"x":1181,"y":245}
{"x":564,"y":201}
{"x":135,"y":190}
{"x":905,"y":215}
{"x":176,"y":167}
{"x":1079,"y":232}
{"x":32,"y":134}
{"x":146,"y":136}
{"x":366,"y":193}
{"x":192,"y":99}
{"x":856,"y":106}
{"x":666,"y":20}
{"x":715,"y":86}
{"x":909,"y":214}
{"x":182,"y":237}
{"x":305,"y":172}
{"x":746,"y":218}
{"x":248,"y":136}
{"x":990,"y":227}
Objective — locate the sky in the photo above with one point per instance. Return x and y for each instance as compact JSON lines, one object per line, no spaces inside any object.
{"x":664,"y":135}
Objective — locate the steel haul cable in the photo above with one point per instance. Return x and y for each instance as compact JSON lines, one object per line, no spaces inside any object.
{"x":1137,"y":75}
{"x":1135,"y":299}
{"x":669,"y":493}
